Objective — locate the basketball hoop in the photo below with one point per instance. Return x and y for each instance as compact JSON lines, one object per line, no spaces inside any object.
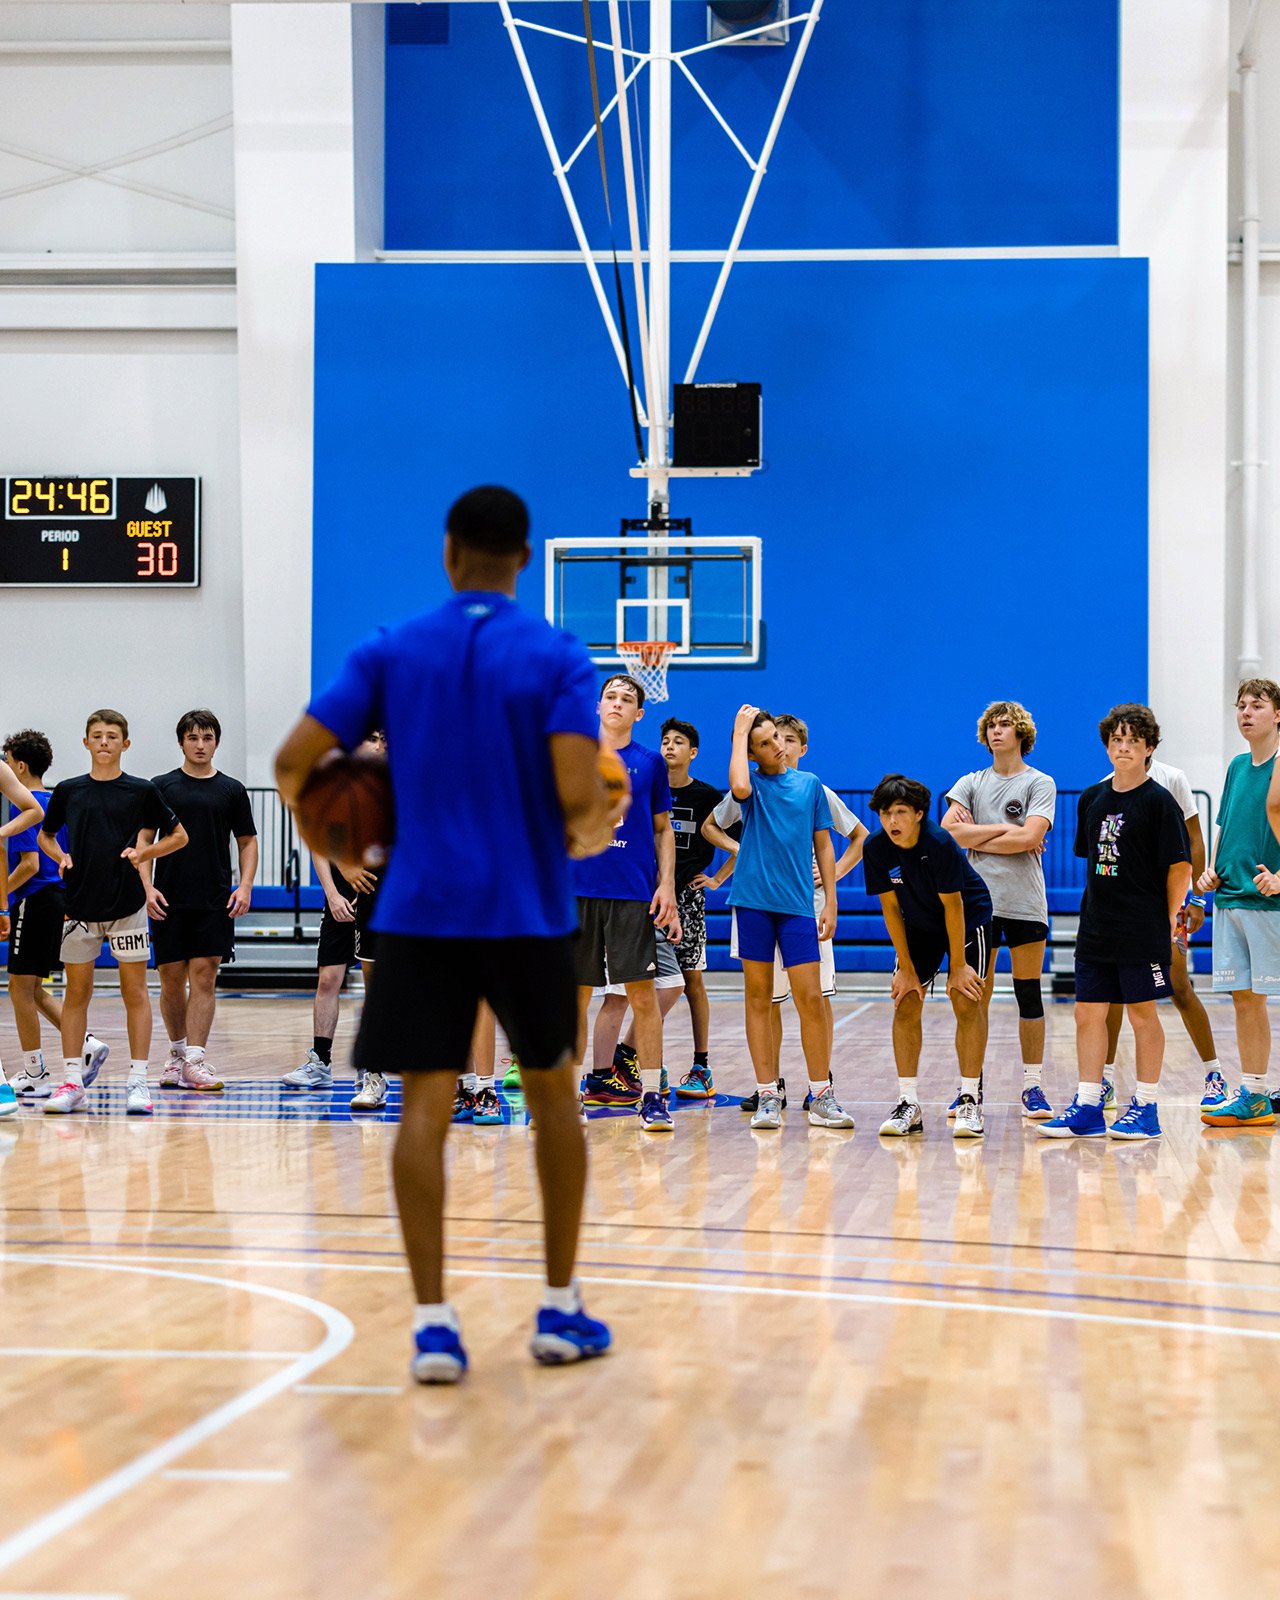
{"x":646,"y":661}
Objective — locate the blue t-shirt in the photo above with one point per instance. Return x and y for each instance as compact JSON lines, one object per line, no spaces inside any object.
{"x":468,"y":696}
{"x":774,"y":870}
{"x":46,"y":870}
{"x":628,"y":869}
{"x":935,"y":865}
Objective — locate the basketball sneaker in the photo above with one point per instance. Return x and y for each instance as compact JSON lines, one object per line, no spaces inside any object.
{"x":199,"y":1078}
{"x":1108,"y":1094}
{"x":488,"y":1108}
{"x":31,"y":1085}
{"x":617,"y":1089}
{"x":312,"y":1074}
{"x":955,"y":1104}
{"x":968,"y":1120}
{"x":1215,"y":1092}
{"x":70,"y":1097}
{"x":654,"y":1116}
{"x":808,"y":1094}
{"x":8,"y":1100}
{"x":626,"y":1060}
{"x":372,"y":1093}
{"x":511,"y":1077}
{"x":752,"y":1101}
{"x":1246,"y":1110}
{"x":562,"y":1336}
{"x":664,"y":1084}
{"x":95,"y":1056}
{"x":1138,"y":1122}
{"x":464,"y":1104}
{"x":905,"y":1118}
{"x":769,"y":1108}
{"x":1076,"y":1122}
{"x":438,"y":1356}
{"x":827,"y":1112}
{"x":1035,"y":1106}
{"x":137,"y":1098}
{"x":696,"y":1085}
{"x":171,"y":1072}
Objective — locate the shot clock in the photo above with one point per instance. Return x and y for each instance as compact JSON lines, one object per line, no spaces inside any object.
{"x":100,"y":532}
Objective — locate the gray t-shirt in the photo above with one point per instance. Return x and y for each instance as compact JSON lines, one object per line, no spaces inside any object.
{"x":1016,"y":882}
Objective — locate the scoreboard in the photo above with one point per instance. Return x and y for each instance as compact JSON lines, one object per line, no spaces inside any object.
{"x":100,"y":533}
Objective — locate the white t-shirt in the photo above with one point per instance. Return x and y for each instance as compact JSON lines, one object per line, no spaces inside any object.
{"x":1175,"y":780}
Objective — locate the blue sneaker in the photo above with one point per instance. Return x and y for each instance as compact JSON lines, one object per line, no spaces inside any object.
{"x":1215,"y":1091}
{"x":438,"y":1354}
{"x":1108,"y":1094}
{"x":955,"y":1104}
{"x":1252,"y":1110}
{"x":464,"y":1105}
{"x":1035,"y":1108}
{"x":1138,"y":1122}
{"x":562,"y":1336}
{"x":8,"y":1100}
{"x":1076,"y":1122}
{"x":487,"y":1108}
{"x":654,"y":1116}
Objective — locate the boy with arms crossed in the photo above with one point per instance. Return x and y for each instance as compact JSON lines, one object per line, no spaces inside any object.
{"x":1131,"y":833}
{"x":113,"y":821}
{"x":1001,"y":815}
{"x":1244,"y":878}
{"x":190,"y":901}
{"x":36,"y":902}
{"x":785,"y":819}
{"x":936,"y":908}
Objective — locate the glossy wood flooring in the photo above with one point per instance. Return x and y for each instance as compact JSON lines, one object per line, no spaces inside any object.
{"x":843,"y":1366}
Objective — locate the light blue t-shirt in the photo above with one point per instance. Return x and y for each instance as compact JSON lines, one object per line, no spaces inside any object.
{"x":774,"y":870}
{"x":468,"y":696}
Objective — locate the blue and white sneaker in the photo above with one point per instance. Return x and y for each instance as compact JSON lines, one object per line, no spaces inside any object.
{"x":1076,"y":1122}
{"x":1108,"y":1094}
{"x":563,"y":1336}
{"x":955,"y":1104}
{"x":438,"y":1354}
{"x":95,"y":1056}
{"x":1138,"y":1122}
{"x":653,"y":1114}
{"x":1035,"y":1108}
{"x":8,"y":1101}
{"x":1215,"y":1091}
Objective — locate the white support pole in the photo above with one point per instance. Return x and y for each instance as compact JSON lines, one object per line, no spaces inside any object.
{"x":1250,"y":659}
{"x":756,"y":179}
{"x":633,"y":211}
{"x":566,"y":194}
{"x":658,"y":488}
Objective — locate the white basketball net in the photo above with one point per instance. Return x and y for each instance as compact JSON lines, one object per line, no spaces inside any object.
{"x":647,"y":663}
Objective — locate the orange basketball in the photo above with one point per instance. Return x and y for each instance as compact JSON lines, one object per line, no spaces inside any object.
{"x":345,"y":812}
{"x":616,"y":778}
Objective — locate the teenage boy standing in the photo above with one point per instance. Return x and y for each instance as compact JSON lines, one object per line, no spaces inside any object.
{"x":1244,"y":878}
{"x":190,"y":901}
{"x":1131,"y":833}
{"x":936,"y":909}
{"x":112,"y":821}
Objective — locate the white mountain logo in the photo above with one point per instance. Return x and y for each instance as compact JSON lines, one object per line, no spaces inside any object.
{"x":155,"y":501}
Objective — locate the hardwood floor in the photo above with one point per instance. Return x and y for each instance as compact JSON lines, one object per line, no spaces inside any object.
{"x":843,"y":1365}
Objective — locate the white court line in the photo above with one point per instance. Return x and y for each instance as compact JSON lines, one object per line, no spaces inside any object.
{"x":38,"y":1351}
{"x":348,"y":1388}
{"x":865,"y":1006}
{"x":228,"y":1475}
{"x":339,"y":1333}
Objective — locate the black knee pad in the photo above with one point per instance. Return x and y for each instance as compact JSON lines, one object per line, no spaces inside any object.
{"x":1026,"y":991}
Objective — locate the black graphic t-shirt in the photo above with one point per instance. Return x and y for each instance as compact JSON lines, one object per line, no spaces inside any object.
{"x":214,"y":811}
{"x":1130,"y":839}
{"x":103,"y":817}
{"x":935,"y":865}
{"x":690,"y":808}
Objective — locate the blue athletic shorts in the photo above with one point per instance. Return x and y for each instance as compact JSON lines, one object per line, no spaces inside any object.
{"x":761,"y":932}
{"x":1111,"y":983}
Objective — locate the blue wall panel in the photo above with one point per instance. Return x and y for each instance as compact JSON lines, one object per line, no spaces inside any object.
{"x":915,"y":123}
{"x":954,"y":508}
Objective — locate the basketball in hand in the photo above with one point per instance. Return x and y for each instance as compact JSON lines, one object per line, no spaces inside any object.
{"x":345,"y":812}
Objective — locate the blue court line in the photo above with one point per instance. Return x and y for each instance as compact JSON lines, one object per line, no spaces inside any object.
{"x":818,"y":1279}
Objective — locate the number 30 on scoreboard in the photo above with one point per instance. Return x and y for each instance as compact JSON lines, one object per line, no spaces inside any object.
{"x":100,"y":532}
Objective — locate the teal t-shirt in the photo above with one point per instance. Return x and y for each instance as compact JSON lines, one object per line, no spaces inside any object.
{"x":1245,"y":837}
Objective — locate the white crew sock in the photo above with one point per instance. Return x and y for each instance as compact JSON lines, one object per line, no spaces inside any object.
{"x":768,"y":1088}
{"x":1089,"y":1094}
{"x":1145,"y":1093}
{"x":566,"y":1299}
{"x":1210,"y":1066}
{"x":73,"y":1071}
{"x":178,"y":1047}
{"x":1031,"y":1071}
{"x":907,"y":1090}
{"x":441,"y":1316}
{"x":1254,"y":1083}
{"x":818,"y":1089}
{"x":483,"y":1083}
{"x":137,"y":1069}
{"x":651,"y":1082}
{"x":195,"y":1054}
{"x":35,"y":1062}
{"x":470,"y":1081}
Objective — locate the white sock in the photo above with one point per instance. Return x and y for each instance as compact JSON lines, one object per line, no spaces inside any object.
{"x":442,"y":1315}
{"x":137,"y":1069}
{"x":35,"y":1062}
{"x":907,"y":1090}
{"x":470,"y":1081}
{"x":1254,"y":1083}
{"x":177,"y":1047}
{"x":816,"y":1089}
{"x":1210,"y":1066}
{"x":195,"y":1054}
{"x":971,"y":1086}
{"x":1145,"y":1093}
{"x":566,"y":1299}
{"x":1089,"y":1094}
{"x":483,"y":1083}
{"x":73,"y":1071}
{"x":768,"y":1088}
{"x":651,"y":1082}
{"x":1031,"y":1071}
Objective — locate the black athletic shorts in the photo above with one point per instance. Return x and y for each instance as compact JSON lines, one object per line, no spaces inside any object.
{"x":1016,"y":931}
{"x":620,"y":931}
{"x":186,"y":935}
{"x":35,"y":933}
{"x":438,"y":984}
{"x":929,"y":950}
{"x":1110,"y":983}
{"x":342,"y":944}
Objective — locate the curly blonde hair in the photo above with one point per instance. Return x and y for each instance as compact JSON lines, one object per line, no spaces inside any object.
{"x":1023,"y":725}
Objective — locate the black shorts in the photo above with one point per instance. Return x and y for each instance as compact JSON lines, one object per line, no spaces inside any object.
{"x":188,"y":935}
{"x":437,"y":984}
{"x":620,"y":931}
{"x":1113,"y":983}
{"x":35,"y":933}
{"x":342,"y":944}
{"x":929,"y":950}
{"x":1017,"y":931}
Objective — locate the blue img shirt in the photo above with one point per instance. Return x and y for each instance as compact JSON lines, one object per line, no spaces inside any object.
{"x":774,"y":870}
{"x":20,"y":843}
{"x":628,"y":869}
{"x":935,"y":865}
{"x":468,"y":696}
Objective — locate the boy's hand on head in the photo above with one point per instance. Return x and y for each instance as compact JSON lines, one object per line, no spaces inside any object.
{"x":745,"y":717}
